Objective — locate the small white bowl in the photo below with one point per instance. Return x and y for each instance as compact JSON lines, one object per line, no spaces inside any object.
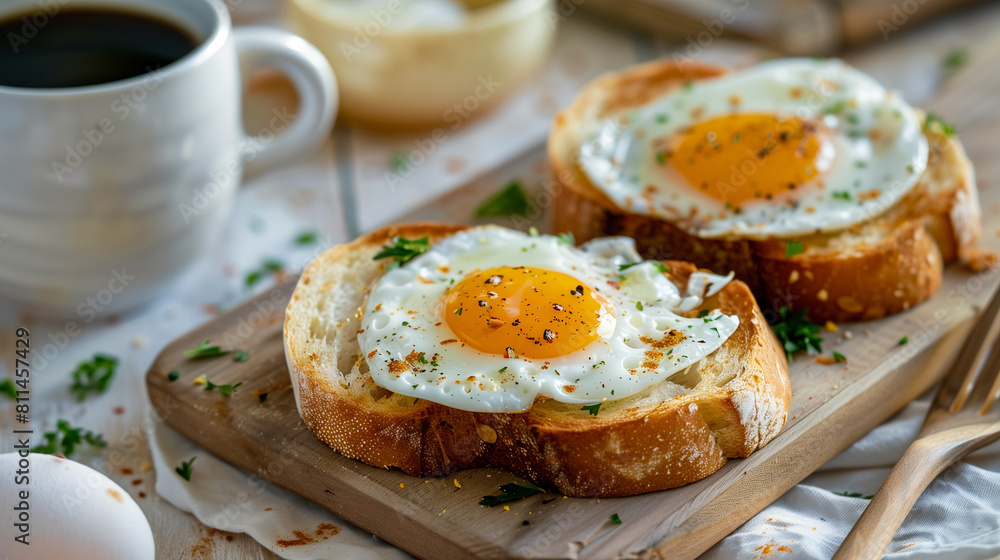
{"x":429,"y":76}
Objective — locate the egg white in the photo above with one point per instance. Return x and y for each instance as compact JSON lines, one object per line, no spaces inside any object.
{"x":618,"y":157}
{"x":405,"y":314}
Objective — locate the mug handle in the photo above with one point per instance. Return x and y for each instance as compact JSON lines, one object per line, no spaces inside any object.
{"x":310,"y":73}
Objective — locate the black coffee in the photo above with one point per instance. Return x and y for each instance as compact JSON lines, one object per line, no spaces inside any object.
{"x":86,"y":46}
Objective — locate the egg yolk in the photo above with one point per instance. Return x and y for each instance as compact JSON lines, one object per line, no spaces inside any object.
{"x":742,"y":157}
{"x":523,"y":311}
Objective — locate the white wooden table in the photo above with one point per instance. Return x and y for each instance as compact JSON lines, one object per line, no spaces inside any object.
{"x":339,"y":192}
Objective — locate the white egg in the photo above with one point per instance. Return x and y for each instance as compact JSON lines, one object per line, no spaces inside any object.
{"x":789,"y":147}
{"x":66,"y":510}
{"x":490,"y":318}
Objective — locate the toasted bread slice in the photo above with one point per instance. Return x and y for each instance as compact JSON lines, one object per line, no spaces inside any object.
{"x":880,"y":267}
{"x":729,"y":404}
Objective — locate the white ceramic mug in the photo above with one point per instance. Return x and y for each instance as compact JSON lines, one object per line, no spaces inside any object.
{"x":108,"y":192}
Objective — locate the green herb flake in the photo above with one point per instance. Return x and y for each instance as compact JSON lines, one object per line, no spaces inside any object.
{"x":566,"y":239}
{"x":404,"y":250}
{"x":399,"y":161}
{"x":955,"y":59}
{"x":615,"y":519}
{"x":835,"y":108}
{"x":638,"y":305}
{"x":185,"y":469}
{"x":173,"y":376}
{"x":593,"y":409}
{"x":703,"y":313}
{"x":8,"y":388}
{"x":508,"y":493}
{"x":847,"y":494}
{"x":793,"y":248}
{"x":716,"y":331}
{"x":205,"y":350}
{"x":252,"y":278}
{"x":226,"y":390}
{"x":240,"y":356}
{"x":458,"y":311}
{"x":842,"y":195}
{"x":656,"y":264}
{"x":796,"y":332}
{"x":837,"y":356}
{"x":662,"y":118}
{"x":306,"y":238}
{"x":904,"y":340}
{"x":937,"y":124}
{"x":93,"y":376}
{"x":511,"y":200}
{"x":66,"y":438}
{"x":533,"y":231}
{"x":501,"y":370}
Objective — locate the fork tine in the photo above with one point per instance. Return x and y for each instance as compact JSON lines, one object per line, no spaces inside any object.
{"x":992,"y":368}
{"x":956,"y":388}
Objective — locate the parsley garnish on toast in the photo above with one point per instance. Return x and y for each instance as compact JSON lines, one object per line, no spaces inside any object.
{"x":403,"y":250}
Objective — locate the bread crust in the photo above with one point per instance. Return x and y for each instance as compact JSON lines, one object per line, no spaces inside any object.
{"x":884,"y":266}
{"x":628,"y":451}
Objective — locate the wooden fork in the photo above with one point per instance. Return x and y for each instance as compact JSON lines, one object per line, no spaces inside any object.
{"x":960,"y":421}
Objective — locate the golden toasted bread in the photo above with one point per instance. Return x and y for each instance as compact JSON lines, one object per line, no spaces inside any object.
{"x":887,"y":264}
{"x":728,"y":404}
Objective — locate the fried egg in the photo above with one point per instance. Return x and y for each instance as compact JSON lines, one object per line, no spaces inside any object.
{"x":488,"y":319}
{"x":786,"y":148}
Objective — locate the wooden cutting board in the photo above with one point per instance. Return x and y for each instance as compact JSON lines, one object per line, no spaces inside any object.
{"x":832,"y":406}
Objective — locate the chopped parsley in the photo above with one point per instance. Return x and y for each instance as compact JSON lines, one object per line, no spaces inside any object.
{"x":399,"y":161}
{"x":657,"y":264}
{"x":703,"y":313}
{"x":796,"y":332}
{"x":904,"y":340}
{"x":793,"y":248}
{"x":860,"y":164}
{"x":173,"y":376}
{"x":205,"y":350}
{"x":593,"y":409}
{"x":421,"y":358}
{"x":533,"y":231}
{"x":8,"y":388}
{"x":64,"y":440}
{"x":662,"y":118}
{"x":566,"y":239}
{"x":306,"y":238}
{"x":93,"y":376}
{"x":615,"y":519}
{"x":847,"y":494}
{"x":508,"y":201}
{"x":955,"y":59}
{"x":240,"y":356}
{"x":837,"y":356}
{"x":224,"y":389}
{"x":458,"y":311}
{"x":852,"y":118}
{"x":503,"y":369}
{"x":842,"y":195}
{"x":269,"y":266}
{"x":598,"y":364}
{"x":404,"y":250}
{"x":508,"y":493}
{"x":185,"y":469}
{"x":941,"y":126}
{"x":716,"y":331}
{"x":834,"y":108}
{"x":638,"y":305}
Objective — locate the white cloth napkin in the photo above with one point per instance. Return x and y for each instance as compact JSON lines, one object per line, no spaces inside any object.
{"x":958,"y":518}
